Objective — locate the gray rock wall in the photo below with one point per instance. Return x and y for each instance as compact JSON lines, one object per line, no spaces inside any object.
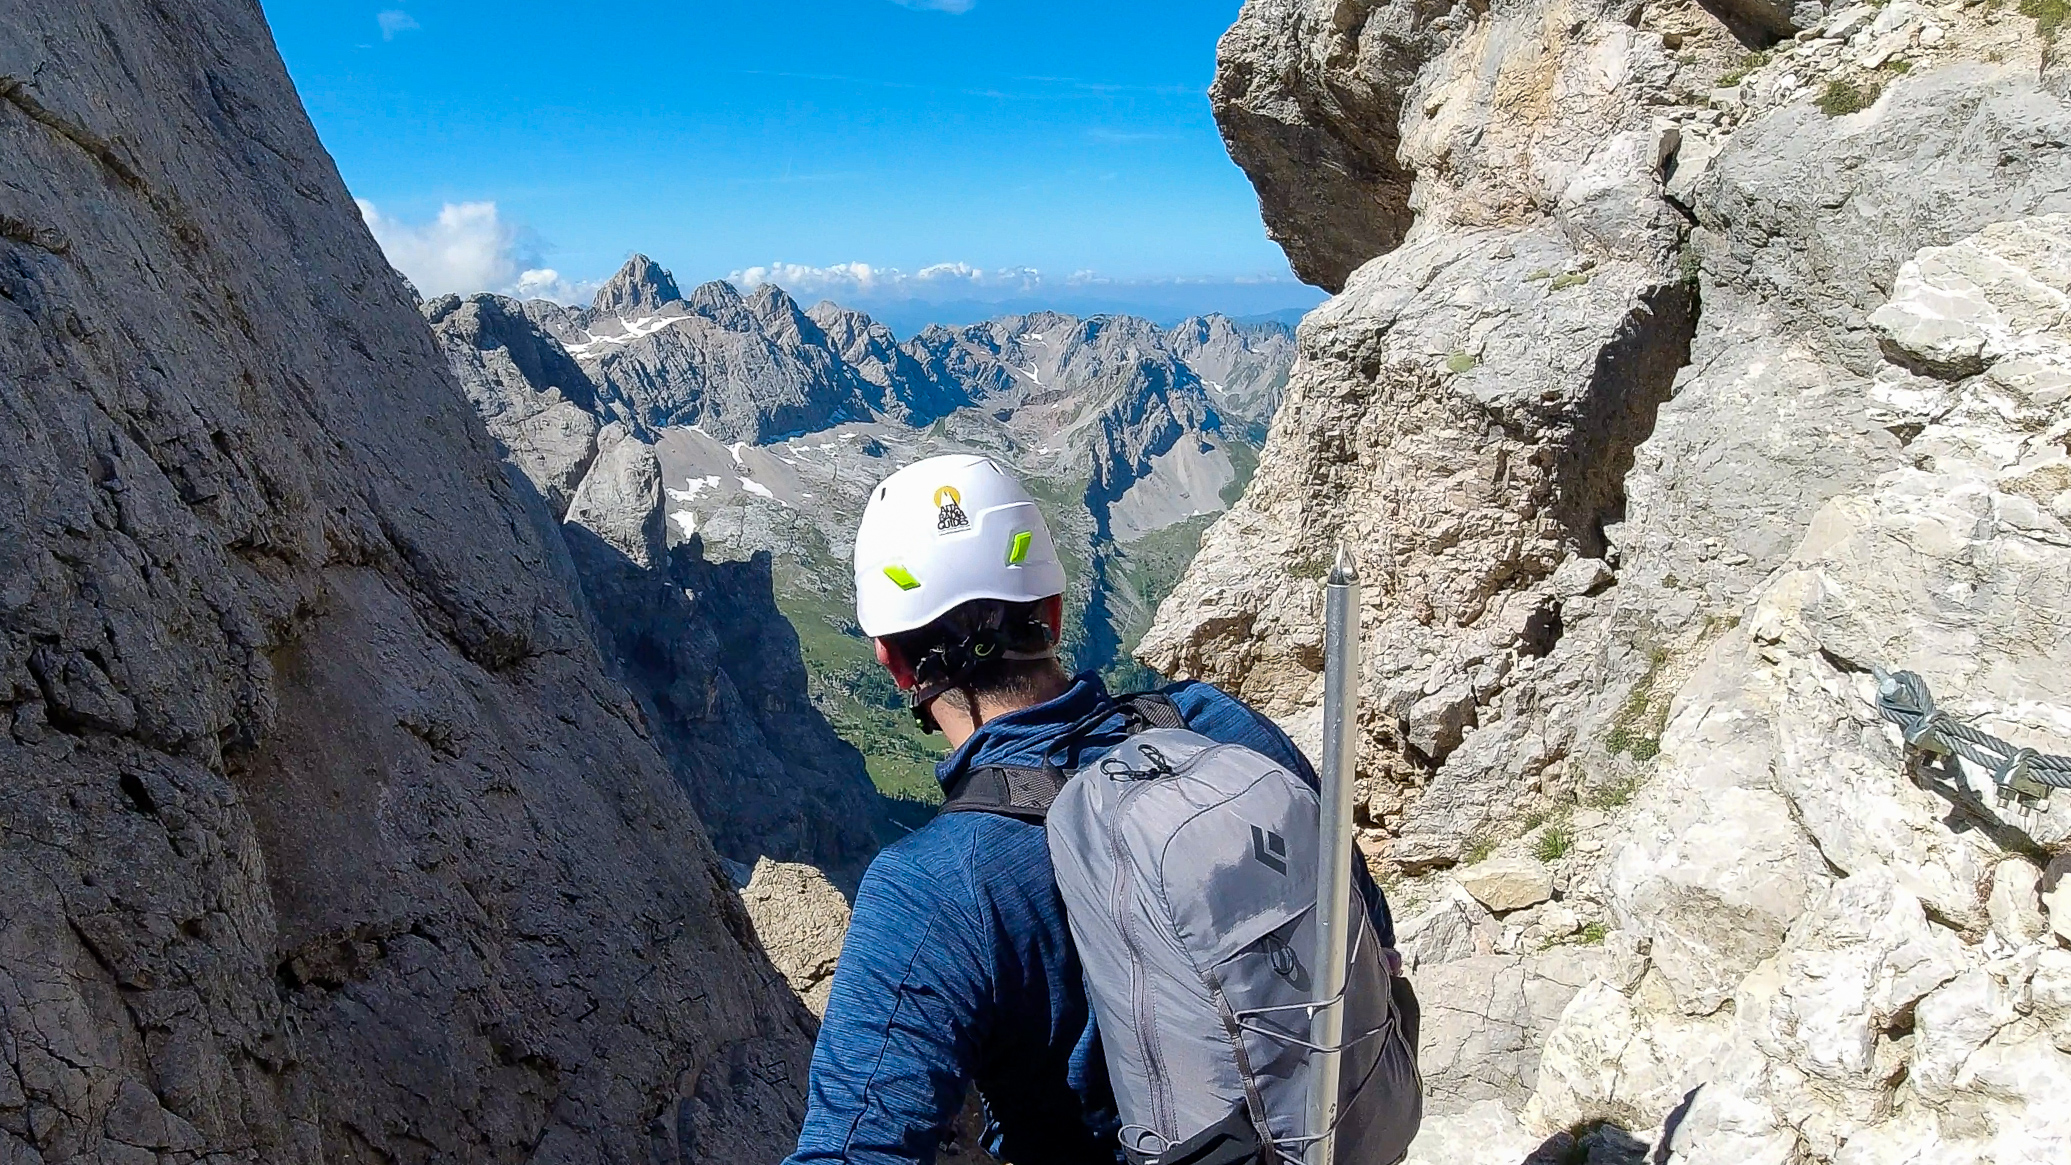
{"x":1619,"y":644}
{"x":326,"y":835}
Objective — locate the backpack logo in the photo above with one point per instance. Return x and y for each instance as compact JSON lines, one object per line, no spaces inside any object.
{"x":949,"y":507}
{"x":1270,"y":849}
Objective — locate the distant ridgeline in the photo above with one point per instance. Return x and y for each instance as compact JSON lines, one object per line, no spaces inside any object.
{"x":771,"y":423}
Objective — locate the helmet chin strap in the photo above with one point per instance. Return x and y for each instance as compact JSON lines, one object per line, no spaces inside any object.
{"x":977,"y":653}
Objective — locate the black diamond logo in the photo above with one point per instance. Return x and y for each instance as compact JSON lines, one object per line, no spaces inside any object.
{"x":1270,"y":849}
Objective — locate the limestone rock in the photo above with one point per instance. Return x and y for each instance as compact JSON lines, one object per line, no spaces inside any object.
{"x":327,"y":834}
{"x":1456,"y":928}
{"x":1581,"y":576}
{"x":1331,"y":189}
{"x":1992,"y":297}
{"x":1856,"y":462}
{"x":2057,"y":902}
{"x":1506,"y":882}
{"x":1485,"y":1019}
{"x":1432,"y":425}
{"x":620,"y":499}
{"x":1610,"y":1060}
{"x":538,"y":404}
{"x":640,"y":288}
{"x":2014,"y":907}
{"x":1483,"y":1131}
{"x":800,"y":917}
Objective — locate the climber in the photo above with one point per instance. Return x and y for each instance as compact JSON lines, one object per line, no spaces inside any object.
{"x":958,"y":967}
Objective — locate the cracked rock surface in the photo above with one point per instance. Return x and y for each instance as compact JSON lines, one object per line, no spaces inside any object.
{"x":1711,"y":357}
{"x":327,"y":834}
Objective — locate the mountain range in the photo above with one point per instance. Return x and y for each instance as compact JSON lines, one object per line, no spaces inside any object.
{"x":770,"y":422}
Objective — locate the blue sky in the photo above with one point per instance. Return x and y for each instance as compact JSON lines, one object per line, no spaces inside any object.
{"x":1031,"y":150}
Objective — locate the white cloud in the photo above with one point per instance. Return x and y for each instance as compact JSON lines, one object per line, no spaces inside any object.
{"x":861,"y":280}
{"x":466,"y":249}
{"x":953,"y":7}
{"x":395,"y":21}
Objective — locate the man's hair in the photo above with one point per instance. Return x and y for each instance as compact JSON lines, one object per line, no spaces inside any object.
{"x":968,"y":648}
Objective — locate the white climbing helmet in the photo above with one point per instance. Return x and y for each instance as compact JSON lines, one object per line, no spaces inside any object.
{"x":942,"y":532}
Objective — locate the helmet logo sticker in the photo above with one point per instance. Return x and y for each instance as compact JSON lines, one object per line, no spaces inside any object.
{"x":949,"y":510}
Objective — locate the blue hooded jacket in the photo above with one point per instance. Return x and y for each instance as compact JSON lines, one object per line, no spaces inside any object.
{"x":958,"y":965}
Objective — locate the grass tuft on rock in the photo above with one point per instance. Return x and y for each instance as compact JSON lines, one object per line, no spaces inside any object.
{"x":1842,"y":96}
{"x":1614,"y":795}
{"x":1748,"y":64}
{"x":1554,"y":844}
{"x":1460,"y":362}
{"x":1570,"y":279}
{"x":2048,"y":15}
{"x":1478,"y":850}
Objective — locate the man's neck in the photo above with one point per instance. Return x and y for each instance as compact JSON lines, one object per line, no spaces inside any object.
{"x":958,"y":725}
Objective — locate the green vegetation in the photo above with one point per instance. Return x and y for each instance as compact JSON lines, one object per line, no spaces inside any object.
{"x":1895,"y":65}
{"x":1460,"y":362}
{"x":1244,"y":458}
{"x":1478,"y":849}
{"x":2049,"y":16}
{"x":1842,"y":96}
{"x":1538,"y":276}
{"x":859,"y":699}
{"x":1592,"y":935}
{"x":1553,"y":844}
{"x":1613,"y":795}
{"x":1140,"y":575}
{"x":1636,"y":729}
{"x":1569,"y":279}
{"x":1748,"y":64}
{"x":1691,"y":264}
{"x":1635,"y":744}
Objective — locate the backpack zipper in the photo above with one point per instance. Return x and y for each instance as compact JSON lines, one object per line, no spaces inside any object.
{"x":1142,"y":1008}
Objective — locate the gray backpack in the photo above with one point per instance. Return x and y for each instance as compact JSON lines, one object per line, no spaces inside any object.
{"x":1188,"y":871}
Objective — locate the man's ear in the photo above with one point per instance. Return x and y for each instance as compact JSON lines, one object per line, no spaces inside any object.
{"x":902,"y":672}
{"x":1053,"y":616}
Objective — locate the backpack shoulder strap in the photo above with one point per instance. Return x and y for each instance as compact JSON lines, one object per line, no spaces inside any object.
{"x":1008,"y":790}
{"x":1150,"y":710}
{"x":1025,"y":793}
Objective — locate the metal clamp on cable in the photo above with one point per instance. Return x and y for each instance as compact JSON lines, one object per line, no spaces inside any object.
{"x":2017,"y":785}
{"x":2022,"y":778}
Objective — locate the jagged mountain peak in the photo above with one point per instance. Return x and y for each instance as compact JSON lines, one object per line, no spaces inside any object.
{"x":641,"y":287}
{"x":715,"y":297}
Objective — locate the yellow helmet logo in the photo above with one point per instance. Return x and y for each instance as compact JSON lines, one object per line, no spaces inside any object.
{"x":949,"y":510}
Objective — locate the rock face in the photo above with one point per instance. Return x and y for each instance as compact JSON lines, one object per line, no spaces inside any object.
{"x":800,"y":918}
{"x":1309,"y":95}
{"x":539,"y":405}
{"x":702,"y":645}
{"x":1701,"y":384}
{"x":327,"y":834}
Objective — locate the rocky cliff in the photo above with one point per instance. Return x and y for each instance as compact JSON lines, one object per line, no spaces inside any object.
{"x":1688,"y":364}
{"x":701,"y":644}
{"x":328,"y":834}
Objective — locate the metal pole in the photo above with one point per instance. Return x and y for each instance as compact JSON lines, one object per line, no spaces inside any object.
{"x":1334,"y":850}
